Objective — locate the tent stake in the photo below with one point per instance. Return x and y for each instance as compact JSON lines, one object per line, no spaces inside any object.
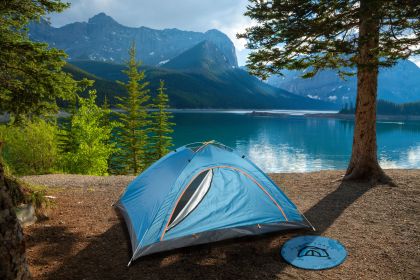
{"x":313,"y":228}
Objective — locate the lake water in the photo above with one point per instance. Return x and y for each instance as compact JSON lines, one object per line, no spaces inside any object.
{"x":296,"y":143}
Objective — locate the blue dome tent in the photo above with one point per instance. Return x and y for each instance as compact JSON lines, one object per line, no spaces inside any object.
{"x":199,"y":194}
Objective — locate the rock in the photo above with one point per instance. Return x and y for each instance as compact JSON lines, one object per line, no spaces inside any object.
{"x":12,"y":245}
{"x":26,"y":214}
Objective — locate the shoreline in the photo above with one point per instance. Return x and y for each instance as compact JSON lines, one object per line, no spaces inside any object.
{"x":335,"y":116}
{"x":281,"y":113}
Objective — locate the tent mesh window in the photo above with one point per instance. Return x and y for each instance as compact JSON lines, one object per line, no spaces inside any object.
{"x":192,"y":196}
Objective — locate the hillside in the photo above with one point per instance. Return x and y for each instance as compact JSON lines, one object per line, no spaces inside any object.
{"x":201,"y":77}
{"x":234,"y":89}
{"x":104,"y":87}
{"x":399,"y":84}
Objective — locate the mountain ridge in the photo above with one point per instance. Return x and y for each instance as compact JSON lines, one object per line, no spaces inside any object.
{"x":399,"y":84}
{"x":102,"y":38}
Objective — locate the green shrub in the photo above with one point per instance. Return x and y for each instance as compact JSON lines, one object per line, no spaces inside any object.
{"x":30,"y":148}
{"x":87,"y":146}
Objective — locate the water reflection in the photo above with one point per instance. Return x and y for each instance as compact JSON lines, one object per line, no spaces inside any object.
{"x":409,"y":158}
{"x":296,"y":143}
{"x":284,"y":158}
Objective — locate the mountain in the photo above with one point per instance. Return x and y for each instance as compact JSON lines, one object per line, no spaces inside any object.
{"x":399,"y":84}
{"x":104,"y":39}
{"x":200,"y":69}
{"x":201,"y":77}
{"x":205,"y":56}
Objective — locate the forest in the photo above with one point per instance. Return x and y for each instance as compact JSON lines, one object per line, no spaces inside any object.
{"x":384,"y":107}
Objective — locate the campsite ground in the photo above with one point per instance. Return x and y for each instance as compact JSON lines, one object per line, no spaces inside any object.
{"x":84,"y":237}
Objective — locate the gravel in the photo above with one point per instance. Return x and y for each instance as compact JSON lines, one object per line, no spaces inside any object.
{"x":85,"y":238}
{"x":78,"y":181}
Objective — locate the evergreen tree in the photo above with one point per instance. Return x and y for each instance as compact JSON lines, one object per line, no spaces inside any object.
{"x":31,"y":76}
{"x":131,"y":134}
{"x":66,"y":141}
{"x":346,"y":108}
{"x":340,"y":34}
{"x":106,"y":122}
{"x":161,"y":127}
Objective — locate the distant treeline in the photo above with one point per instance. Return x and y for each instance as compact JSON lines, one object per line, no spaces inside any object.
{"x":388,"y":108}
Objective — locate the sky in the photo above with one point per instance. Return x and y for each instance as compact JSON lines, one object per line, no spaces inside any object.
{"x":193,"y":15}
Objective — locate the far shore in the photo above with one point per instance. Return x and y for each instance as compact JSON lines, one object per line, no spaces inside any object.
{"x":328,"y":114}
{"x":337,"y":116}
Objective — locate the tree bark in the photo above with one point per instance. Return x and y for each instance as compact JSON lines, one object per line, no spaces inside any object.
{"x":12,"y":246}
{"x":364,"y":163}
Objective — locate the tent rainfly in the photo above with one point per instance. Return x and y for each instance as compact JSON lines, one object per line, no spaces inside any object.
{"x":199,"y":194}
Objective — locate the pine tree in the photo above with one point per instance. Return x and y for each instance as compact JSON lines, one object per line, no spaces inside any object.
{"x":31,"y":76}
{"x":67,"y":142}
{"x":106,"y":122}
{"x":341,"y":34}
{"x":161,"y":127}
{"x":131,"y":134}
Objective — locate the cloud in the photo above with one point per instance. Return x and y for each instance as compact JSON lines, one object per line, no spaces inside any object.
{"x":225,"y":15}
{"x":416,"y":60}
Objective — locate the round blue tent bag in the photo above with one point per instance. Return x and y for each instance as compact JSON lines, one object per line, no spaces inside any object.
{"x":313,"y":252}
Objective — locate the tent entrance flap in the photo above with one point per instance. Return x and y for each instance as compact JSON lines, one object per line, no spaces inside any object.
{"x":192,"y":196}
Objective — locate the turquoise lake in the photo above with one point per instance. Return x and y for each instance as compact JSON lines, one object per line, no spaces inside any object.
{"x":296,"y":143}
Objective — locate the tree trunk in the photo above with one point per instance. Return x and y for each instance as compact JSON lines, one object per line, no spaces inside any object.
{"x":12,"y":246}
{"x":364,"y":163}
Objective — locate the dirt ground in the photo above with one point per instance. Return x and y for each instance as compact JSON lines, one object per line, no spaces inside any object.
{"x":85,"y":238}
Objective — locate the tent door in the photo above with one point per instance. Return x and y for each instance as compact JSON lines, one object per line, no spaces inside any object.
{"x":230,"y":189}
{"x":191,"y":197}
